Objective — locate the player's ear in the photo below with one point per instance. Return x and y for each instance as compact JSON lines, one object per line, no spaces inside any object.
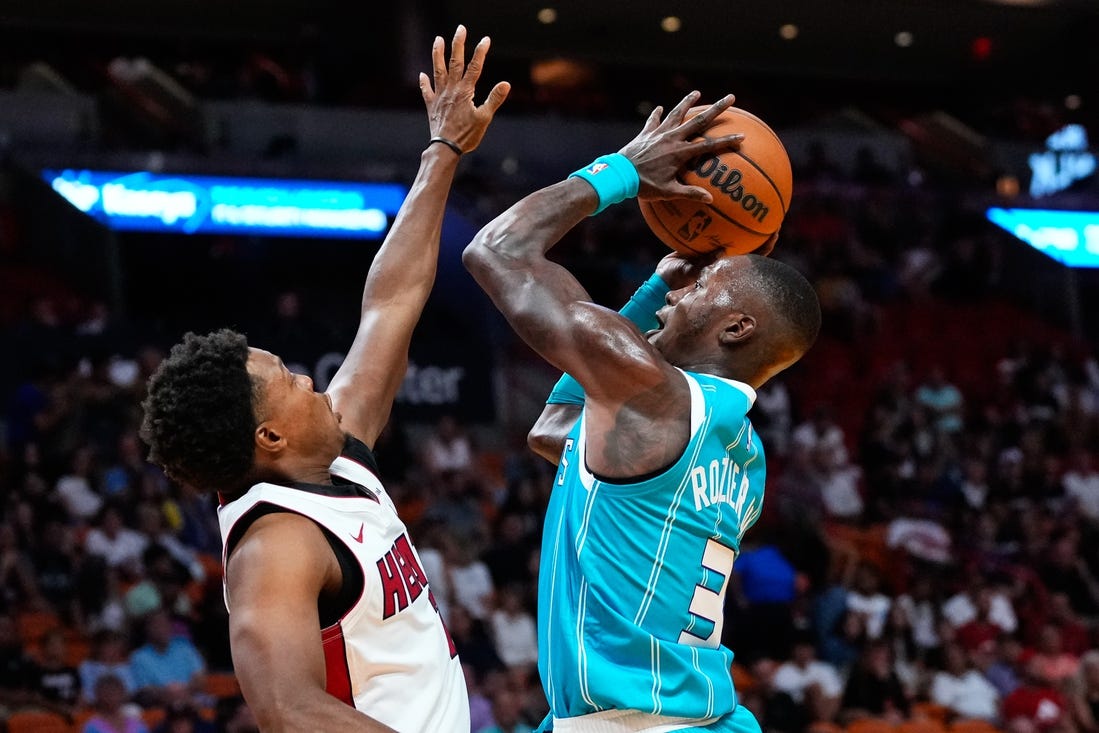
{"x":269,"y":439}
{"x":738,"y":329}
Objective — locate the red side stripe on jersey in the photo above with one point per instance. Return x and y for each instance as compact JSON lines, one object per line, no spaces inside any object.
{"x":337,"y":675}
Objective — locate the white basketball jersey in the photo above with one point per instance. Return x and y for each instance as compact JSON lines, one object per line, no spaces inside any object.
{"x":390,"y":655}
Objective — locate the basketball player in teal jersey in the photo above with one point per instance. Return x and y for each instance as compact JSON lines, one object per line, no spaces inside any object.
{"x":662,"y":473}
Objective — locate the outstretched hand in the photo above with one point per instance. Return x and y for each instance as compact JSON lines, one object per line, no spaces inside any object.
{"x":452,"y":113}
{"x":661,"y":149}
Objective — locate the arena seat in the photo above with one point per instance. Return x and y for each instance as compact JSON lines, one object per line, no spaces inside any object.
{"x":931,"y":710}
{"x":920,"y":725}
{"x":222,"y":684}
{"x":37,"y":721}
{"x":870,"y":725}
{"x":971,"y":725}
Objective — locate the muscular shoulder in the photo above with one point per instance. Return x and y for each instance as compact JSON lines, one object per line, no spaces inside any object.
{"x":281,"y":548}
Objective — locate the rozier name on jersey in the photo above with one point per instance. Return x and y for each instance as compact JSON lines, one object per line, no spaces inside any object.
{"x":723,"y":481}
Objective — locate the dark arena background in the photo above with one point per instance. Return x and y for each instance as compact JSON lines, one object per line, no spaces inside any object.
{"x":928,"y":556}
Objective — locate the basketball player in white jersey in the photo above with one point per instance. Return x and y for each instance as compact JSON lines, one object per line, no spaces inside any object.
{"x":332,"y":622}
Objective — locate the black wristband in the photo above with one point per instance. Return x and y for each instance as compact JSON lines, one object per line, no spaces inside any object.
{"x":449,"y":143}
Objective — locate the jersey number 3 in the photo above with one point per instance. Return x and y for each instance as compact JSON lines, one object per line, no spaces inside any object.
{"x":708,"y":602}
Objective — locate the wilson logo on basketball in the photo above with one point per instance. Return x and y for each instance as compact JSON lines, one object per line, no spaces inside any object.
{"x":728,"y":182}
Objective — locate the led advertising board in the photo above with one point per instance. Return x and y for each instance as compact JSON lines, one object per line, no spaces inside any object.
{"x":1070,"y":237}
{"x":189,"y":204}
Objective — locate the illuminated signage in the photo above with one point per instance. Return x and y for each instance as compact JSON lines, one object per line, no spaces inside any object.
{"x":1070,"y":237}
{"x":1065,"y":161}
{"x":214,"y":205}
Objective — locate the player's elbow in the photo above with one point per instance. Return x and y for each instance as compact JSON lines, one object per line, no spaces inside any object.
{"x":544,"y":444}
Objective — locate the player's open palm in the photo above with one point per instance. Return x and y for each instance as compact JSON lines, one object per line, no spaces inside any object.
{"x":452,"y":112}
{"x":663,"y":147}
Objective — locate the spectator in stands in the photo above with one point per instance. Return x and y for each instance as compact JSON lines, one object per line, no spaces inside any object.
{"x":108,"y":656}
{"x":1001,"y":663}
{"x":1036,"y":702}
{"x":867,"y":599}
{"x":473,"y":642}
{"x":448,"y":448}
{"x":509,"y":554}
{"x":514,"y":630}
{"x":1065,"y":571}
{"x":151,"y":523}
{"x":55,"y":680}
{"x":772,"y":417}
{"x":943,"y":399}
{"x":1076,"y":635}
{"x":472,"y":582}
{"x":76,"y":488}
{"x":761,"y":593}
{"x":920,"y":605}
{"x":480,"y":704}
{"x":1080,"y":482}
{"x":112,"y":715}
{"x":813,"y":685}
{"x":1084,"y":695}
{"x":980,"y":612}
{"x":184,"y":718}
{"x":507,"y":710}
{"x":162,"y":587}
{"x":234,"y":716}
{"x":1050,"y":659}
{"x":840,"y":485}
{"x":167,"y":667}
{"x":120,"y":546}
{"x":56,"y":569}
{"x":963,"y":689}
{"x":873,"y":688}
{"x":17,"y":670}
{"x":820,"y":432}
{"x":18,"y":586}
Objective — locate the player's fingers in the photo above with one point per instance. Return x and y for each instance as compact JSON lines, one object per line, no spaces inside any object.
{"x":675,"y":117}
{"x":473,"y":69}
{"x":702,"y":120}
{"x":694,"y":193}
{"x":713,"y":146}
{"x":496,"y":96}
{"x":425,"y":88}
{"x":654,"y":119}
{"x":438,"y":61}
{"x":767,"y":247}
{"x":458,"y":53}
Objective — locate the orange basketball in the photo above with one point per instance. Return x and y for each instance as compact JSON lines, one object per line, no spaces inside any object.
{"x":751,"y":189}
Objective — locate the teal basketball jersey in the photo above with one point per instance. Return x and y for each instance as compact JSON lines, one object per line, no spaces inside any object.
{"x":633,"y":575}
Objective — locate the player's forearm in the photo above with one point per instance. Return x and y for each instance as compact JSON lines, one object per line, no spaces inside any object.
{"x":535,"y":224}
{"x":405,"y":265}
{"x":314,"y":710}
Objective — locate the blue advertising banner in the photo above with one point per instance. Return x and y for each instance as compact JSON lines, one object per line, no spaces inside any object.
{"x":1070,"y":237}
{"x":219,"y":205}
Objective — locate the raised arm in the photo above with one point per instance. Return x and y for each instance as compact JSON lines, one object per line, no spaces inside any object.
{"x":547,"y":436}
{"x":403,"y":272}
{"x":634,"y":397}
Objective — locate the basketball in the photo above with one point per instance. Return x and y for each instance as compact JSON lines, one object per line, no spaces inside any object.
{"x":751,"y":189}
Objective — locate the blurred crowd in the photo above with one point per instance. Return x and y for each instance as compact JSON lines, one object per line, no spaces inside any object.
{"x":928,"y":549}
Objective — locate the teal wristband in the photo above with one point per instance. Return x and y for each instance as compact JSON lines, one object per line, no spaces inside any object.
{"x":642,"y":306}
{"x":613,"y":177}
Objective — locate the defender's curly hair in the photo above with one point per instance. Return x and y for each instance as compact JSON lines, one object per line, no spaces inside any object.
{"x":199,"y":413}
